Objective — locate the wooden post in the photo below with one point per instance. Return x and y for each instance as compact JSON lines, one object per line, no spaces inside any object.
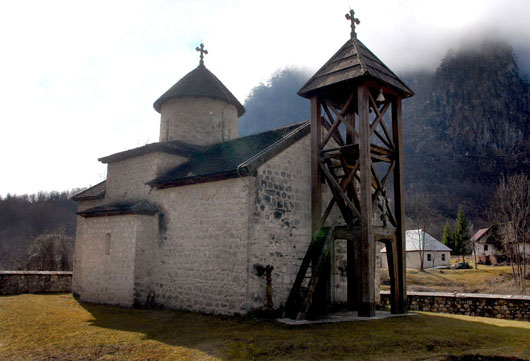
{"x":401,"y":286}
{"x":321,"y":295}
{"x":351,"y":271}
{"x":367,"y":246}
{"x":316,"y":174}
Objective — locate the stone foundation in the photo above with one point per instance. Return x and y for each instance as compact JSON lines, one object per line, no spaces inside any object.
{"x":472,"y":304}
{"x":17,"y":282}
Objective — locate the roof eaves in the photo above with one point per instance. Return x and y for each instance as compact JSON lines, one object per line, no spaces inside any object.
{"x":170,"y":147}
{"x":98,"y":195}
{"x":142,"y":207}
{"x":203,"y":178}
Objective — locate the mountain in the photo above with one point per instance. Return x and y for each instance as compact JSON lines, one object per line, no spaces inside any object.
{"x":276,"y":103}
{"x":467,"y":125}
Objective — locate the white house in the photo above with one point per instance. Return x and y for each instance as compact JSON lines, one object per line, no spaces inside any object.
{"x":422,"y":244}
{"x":494,"y":244}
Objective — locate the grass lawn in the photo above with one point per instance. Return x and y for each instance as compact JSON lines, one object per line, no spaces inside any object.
{"x":58,"y":327}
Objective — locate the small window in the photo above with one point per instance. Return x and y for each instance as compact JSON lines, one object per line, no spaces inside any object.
{"x":429,"y":257}
{"x":443,"y":256}
{"x":107,"y":243}
{"x":485,"y":247}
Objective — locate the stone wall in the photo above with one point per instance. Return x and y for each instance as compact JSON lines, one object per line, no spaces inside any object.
{"x":472,"y":304}
{"x":200,"y":262}
{"x":17,"y":282}
{"x":126,"y":179}
{"x":104,"y":271}
{"x":78,"y":254}
{"x":201,"y":121}
{"x":280,"y":221}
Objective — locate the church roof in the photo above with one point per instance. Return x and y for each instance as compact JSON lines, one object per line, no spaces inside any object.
{"x":353,"y":61}
{"x":234,"y":158}
{"x":171,"y":147}
{"x":200,"y":82}
{"x":120,"y":208}
{"x":92,"y":193}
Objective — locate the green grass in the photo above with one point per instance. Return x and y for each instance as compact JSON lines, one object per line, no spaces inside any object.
{"x":58,"y":327}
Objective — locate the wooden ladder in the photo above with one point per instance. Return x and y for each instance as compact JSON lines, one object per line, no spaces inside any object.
{"x":301,"y":295}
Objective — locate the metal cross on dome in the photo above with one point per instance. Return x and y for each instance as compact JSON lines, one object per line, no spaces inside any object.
{"x":354,"y":20}
{"x":203,"y":52}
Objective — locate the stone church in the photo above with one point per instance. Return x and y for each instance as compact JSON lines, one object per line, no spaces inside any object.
{"x":207,"y":221}
{"x":188,"y":222}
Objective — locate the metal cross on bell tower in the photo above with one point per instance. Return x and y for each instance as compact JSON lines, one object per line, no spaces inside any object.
{"x":203,"y":52}
{"x":354,"y":20}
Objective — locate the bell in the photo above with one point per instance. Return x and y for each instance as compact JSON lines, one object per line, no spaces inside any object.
{"x":380,"y":96}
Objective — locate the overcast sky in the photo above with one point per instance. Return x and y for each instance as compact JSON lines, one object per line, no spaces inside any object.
{"x":78,"y":78}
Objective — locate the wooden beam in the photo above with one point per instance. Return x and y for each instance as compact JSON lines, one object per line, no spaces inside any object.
{"x":399,"y":201}
{"x":379,"y":119}
{"x":388,"y":173}
{"x":316,"y":174}
{"x":330,"y":133}
{"x":348,"y":125}
{"x":385,"y":142}
{"x":344,"y":109}
{"x":380,"y":233}
{"x":327,"y":212}
{"x":379,"y":115}
{"x":342,"y":200}
{"x":367,"y":246}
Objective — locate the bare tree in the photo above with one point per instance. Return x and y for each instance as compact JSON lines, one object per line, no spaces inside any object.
{"x":511,"y":210}
{"x":422,"y":217}
{"x":50,"y":252}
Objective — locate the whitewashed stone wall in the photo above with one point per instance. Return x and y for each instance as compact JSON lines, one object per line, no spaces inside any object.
{"x":126,"y":179}
{"x":79,"y":251}
{"x":147,"y":240}
{"x":280,"y":221}
{"x":181,"y":118}
{"x":201,"y":259}
{"x":107,"y":277}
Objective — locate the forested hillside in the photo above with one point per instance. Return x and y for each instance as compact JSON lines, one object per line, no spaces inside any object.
{"x":276,"y":103}
{"x":25,"y":218}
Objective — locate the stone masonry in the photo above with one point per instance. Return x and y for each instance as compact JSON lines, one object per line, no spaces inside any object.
{"x":471,"y":304}
{"x":17,"y":282}
{"x":216,"y":120}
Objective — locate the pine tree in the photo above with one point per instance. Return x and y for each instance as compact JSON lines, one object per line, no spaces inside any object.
{"x":461,"y":233}
{"x":448,"y":237}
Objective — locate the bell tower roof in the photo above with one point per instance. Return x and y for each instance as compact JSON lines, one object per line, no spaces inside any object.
{"x":353,"y":62}
{"x":199,"y":83}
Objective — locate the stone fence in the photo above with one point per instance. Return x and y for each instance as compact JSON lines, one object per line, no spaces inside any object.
{"x":472,"y":304}
{"x":17,"y":282}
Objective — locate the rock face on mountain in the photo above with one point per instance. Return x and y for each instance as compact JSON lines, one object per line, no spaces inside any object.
{"x":468,"y":124}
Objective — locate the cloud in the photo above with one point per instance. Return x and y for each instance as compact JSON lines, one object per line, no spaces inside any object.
{"x":79,"y":78}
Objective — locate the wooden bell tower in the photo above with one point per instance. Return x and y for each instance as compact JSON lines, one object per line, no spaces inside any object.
{"x":357,"y":151}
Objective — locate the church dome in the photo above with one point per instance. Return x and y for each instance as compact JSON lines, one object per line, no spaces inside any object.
{"x":200,"y":83}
